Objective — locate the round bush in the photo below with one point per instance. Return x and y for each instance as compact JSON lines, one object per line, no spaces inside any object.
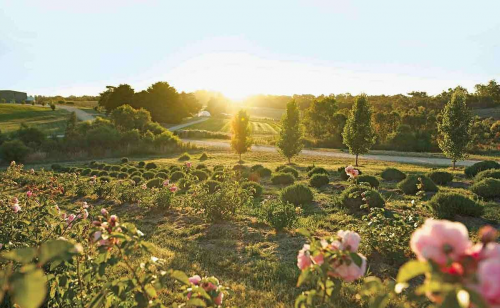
{"x":290,"y":170}
{"x":374,"y":183}
{"x":174,"y":169}
{"x":184,"y":184}
{"x":123,"y":169}
{"x":343,"y":175}
{"x":318,"y":180}
{"x":162,"y":175}
{"x":103,"y":173}
{"x":212,"y":185}
{"x":218,"y":168}
{"x":473,"y":170}
{"x":393,"y":174}
{"x":93,"y":164}
{"x":86,"y":171}
{"x":107,"y":167}
{"x":201,"y":166}
{"x":131,"y":170}
{"x":94,"y":172}
{"x":487,"y":188}
{"x":352,"y":198}
{"x":141,"y":164}
{"x":113,"y":174}
{"x":440,"y":177}
{"x":447,"y":205}
{"x":148,"y":175}
{"x":317,"y":170}
{"x":156,"y":182}
{"x":105,"y":179}
{"x":14,"y":150}
{"x":282,"y":178}
{"x":490,"y":173}
{"x":264,"y":172}
{"x":256,"y":167}
{"x":115,"y":168}
{"x":122,"y":175}
{"x":125,"y":160}
{"x":177,"y":175}
{"x":204,"y":156}
{"x":201,"y":175}
{"x":184,"y":157}
{"x":100,"y":166}
{"x":56,"y":167}
{"x":150,"y":166}
{"x":137,"y":179}
{"x":255,"y":188}
{"x":218,"y":176}
{"x":409,"y":185}
{"x":136,"y":173}
{"x":240,"y":168}
{"x":297,"y":194}
{"x":279,"y":214}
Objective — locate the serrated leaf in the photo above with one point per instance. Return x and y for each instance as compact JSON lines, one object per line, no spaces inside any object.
{"x":28,"y":290}
{"x":411,"y":270}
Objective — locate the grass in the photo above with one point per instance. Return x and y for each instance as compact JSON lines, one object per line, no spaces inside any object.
{"x":488,"y":112}
{"x":44,"y":118}
{"x":259,"y":127}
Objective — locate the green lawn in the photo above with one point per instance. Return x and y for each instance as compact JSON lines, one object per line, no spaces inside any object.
{"x":259,"y":126}
{"x":51,"y":122}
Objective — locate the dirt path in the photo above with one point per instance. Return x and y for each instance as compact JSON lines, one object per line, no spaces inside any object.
{"x":177,"y":127}
{"x":80,"y":114}
{"x":391,"y":158}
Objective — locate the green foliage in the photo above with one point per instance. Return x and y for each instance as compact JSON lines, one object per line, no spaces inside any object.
{"x":374,"y":183}
{"x":440,"y":177}
{"x":318,"y":180}
{"x":290,"y":170}
{"x":264,"y":172}
{"x":317,"y":170}
{"x":279,"y":214}
{"x":490,"y":173}
{"x":352,"y":198}
{"x":201,"y":166}
{"x":256,"y":167}
{"x":201,"y":175}
{"x":115,"y":168}
{"x":455,"y":127}
{"x":290,"y":141}
{"x":358,"y":132}
{"x":393,"y":174}
{"x":473,"y":170}
{"x":184,"y":157}
{"x":282,"y":178}
{"x":148,"y":175}
{"x":447,"y":205}
{"x":487,"y":188}
{"x":103,"y":173}
{"x":410,"y":185}
{"x":106,"y":179}
{"x":241,"y":140}
{"x":297,"y":194}
{"x":150,"y":166}
{"x":122,"y":175}
{"x":218,"y":175}
{"x":124,"y":160}
{"x":13,"y":150}
{"x":254,"y":188}
{"x":156,"y":182}
{"x":137,"y":179}
{"x":141,"y":164}
{"x":212,"y":185}
{"x":204,"y":156}
{"x":177,"y":175}
{"x":162,"y":175}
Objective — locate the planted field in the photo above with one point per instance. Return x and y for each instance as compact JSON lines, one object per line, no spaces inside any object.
{"x":487,"y":113}
{"x":258,"y":126}
{"x":44,"y":118}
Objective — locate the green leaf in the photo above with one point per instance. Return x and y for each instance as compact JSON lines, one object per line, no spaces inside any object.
{"x":196,"y":302}
{"x":55,"y":249}
{"x":303,"y":277}
{"x":141,"y":300}
{"x":356,"y":259}
{"x":300,"y":300}
{"x":304,"y":232}
{"x":411,"y":270}
{"x":29,"y":289}
{"x":97,"y":301}
{"x":180,"y":276}
{"x":150,"y":290}
{"x":22,"y":255}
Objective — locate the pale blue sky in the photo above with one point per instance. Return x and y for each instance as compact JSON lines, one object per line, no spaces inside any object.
{"x":245,"y":47}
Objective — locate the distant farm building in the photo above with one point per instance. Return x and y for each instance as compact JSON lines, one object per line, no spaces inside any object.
{"x":204,"y":113}
{"x":13,"y":96}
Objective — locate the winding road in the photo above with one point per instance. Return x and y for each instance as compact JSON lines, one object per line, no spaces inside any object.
{"x":80,"y":114}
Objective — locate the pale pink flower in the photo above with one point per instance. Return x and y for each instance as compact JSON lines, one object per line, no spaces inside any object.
{"x":481,"y":252}
{"x":113,"y":219}
{"x":351,"y":272}
{"x":144,"y":186}
{"x":29,"y":193}
{"x":85,"y":214}
{"x":319,"y":259}
{"x":219,"y":298}
{"x":440,"y":240}
{"x":63,"y":216}
{"x":166,"y":183}
{"x":16,"y":208}
{"x":489,"y":280}
{"x":71,"y":217}
{"x":14,"y":200}
{"x":349,"y":239}
{"x":173,"y":188}
{"x":104,"y":212}
{"x":32,"y":171}
{"x":304,"y":258}
{"x":188,"y":164}
{"x":208,"y":286}
{"x":97,"y":235}
{"x":195,"y":279}
{"x":103,"y":243}
{"x":85,"y":205}
{"x":351,"y":171}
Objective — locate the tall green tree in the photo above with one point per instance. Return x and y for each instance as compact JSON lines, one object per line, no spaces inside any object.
{"x":290,"y":141}
{"x":241,"y":140}
{"x":455,"y":127}
{"x":358,"y":132}
{"x":114,"y":97}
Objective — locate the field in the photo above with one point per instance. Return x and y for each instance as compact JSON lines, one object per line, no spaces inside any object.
{"x":259,"y":127}
{"x":51,"y":122}
{"x":487,"y":113}
{"x":244,"y":251}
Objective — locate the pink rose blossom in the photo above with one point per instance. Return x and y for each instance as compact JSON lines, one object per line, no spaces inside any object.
{"x":71,"y":217}
{"x":85,"y":214}
{"x":16,"y":208}
{"x":113,"y":219}
{"x":188,"y":164}
{"x":97,"y":235}
{"x":144,"y":186}
{"x":208,"y":287}
{"x":219,"y":298}
{"x":350,"y":240}
{"x":103,"y":243}
{"x":173,"y":188}
{"x":351,"y":272}
{"x":32,"y":171}
{"x":304,"y":258}
{"x":489,"y":280}
{"x":63,"y":216}
{"x":195,"y":279}
{"x":482,"y":252}
{"x":440,"y":240}
{"x":104,"y":212}
{"x":14,"y":200}
{"x":166,"y":182}
{"x":29,"y":193}
{"x":85,"y":205}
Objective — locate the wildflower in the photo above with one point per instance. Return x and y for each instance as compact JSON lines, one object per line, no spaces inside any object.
{"x":173,"y":188}
{"x":104,"y":212}
{"x":166,"y":183}
{"x":195,"y":279}
{"x":188,"y":164}
{"x":29,"y":193}
{"x":16,"y":208}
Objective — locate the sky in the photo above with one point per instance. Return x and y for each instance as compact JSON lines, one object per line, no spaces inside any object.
{"x":240,"y":48}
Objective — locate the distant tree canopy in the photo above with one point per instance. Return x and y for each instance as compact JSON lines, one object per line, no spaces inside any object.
{"x":163,"y":101}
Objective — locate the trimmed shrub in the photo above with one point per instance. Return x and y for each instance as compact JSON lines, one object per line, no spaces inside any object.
{"x":317,"y":170}
{"x":204,"y":156}
{"x":123,"y":169}
{"x":201,"y":166}
{"x":374,"y":183}
{"x":86,"y":171}
{"x":297,"y":194}
{"x":290,"y":170}
{"x":393,"y":174}
{"x":490,"y":173}
{"x":156,"y":182}
{"x":184,"y":184}
{"x":318,"y":180}
{"x":141,"y":164}
{"x":122,"y":175}
{"x":264,"y":172}
{"x":113,"y":174}
{"x":100,"y":166}
{"x":137,"y":179}
{"x":254,"y":188}
{"x":447,"y":205}
{"x":148,"y":175}
{"x":102,"y":173}
{"x":14,"y":150}
{"x":177,"y":175}
{"x":125,"y":160}
{"x":162,"y":175}
{"x":440,"y":177}
{"x":184,"y":157}
{"x":473,"y":170}
{"x":487,"y":188}
{"x":218,"y":176}
{"x":115,"y":168}
{"x":56,"y":167}
{"x":201,"y":175}
{"x":279,"y":214}
{"x":150,"y":166}
{"x":164,"y":170}
{"x":105,"y":179}
{"x":282,"y":178}
{"x":107,"y":167}
{"x":175,"y":169}
{"x":240,"y":168}
{"x":212,"y":185}
{"x":136,"y":173}
{"x":343,"y":175}
{"x":219,"y":168}
{"x":93,"y":164}
{"x":352,"y":198}
{"x":256,"y":167}
{"x":410,"y":185}
{"x":279,"y":168}
{"x":94,"y":172}
{"x":131,"y":170}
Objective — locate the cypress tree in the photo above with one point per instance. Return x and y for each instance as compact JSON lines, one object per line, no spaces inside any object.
{"x":290,"y":141}
{"x":241,"y":140}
